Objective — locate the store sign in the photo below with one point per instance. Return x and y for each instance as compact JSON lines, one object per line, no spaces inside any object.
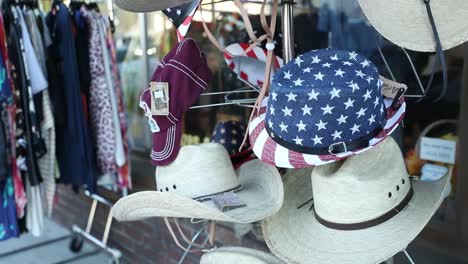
{"x":439,"y":150}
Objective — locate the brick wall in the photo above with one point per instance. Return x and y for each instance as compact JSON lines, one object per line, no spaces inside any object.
{"x":140,"y":242}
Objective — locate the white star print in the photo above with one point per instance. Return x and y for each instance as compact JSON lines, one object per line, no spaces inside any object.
{"x":234,"y":141}
{"x":352,"y":55}
{"x":274,"y":95}
{"x":337,"y":135}
{"x":287,"y":75}
{"x":317,"y":140}
{"x":301,"y":126}
{"x":319,"y":76}
{"x":316,"y":59}
{"x":306,"y":110}
{"x":321,"y":125}
{"x":298,"y":82}
{"x":298,"y":61}
{"x":306,"y":69}
{"x":349,"y":104}
{"x":339,"y":72}
{"x":335,"y":58}
{"x":376,"y":102}
{"x":326,"y":65}
{"x":287,"y":111}
{"x":347,"y":63}
{"x":354,"y":86}
{"x":168,"y":10}
{"x":234,"y":132}
{"x":342,"y":120}
{"x":365,"y":63}
{"x":371,"y":119}
{"x":270,"y":124}
{"x":367,"y":95}
{"x":178,"y":12}
{"x":355,"y":128}
{"x":272,"y":110}
{"x":283,"y":127}
{"x":291,"y":96}
{"x":360,"y":74}
{"x":361,"y":112}
{"x":369,"y":79}
{"x":335,"y":93}
{"x":381,"y":109}
{"x":327,"y":109}
{"x":313,"y":95}
{"x":222,"y":141}
{"x":298,"y":141}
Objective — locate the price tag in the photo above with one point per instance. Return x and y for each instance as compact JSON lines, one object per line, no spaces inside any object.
{"x":159,"y":98}
{"x":439,"y":150}
{"x":391,"y":89}
{"x":228,"y":201}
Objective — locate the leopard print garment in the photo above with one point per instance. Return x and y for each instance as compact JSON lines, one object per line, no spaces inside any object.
{"x":99,"y":100}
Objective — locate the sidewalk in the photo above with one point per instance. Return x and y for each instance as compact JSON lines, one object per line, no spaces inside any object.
{"x":54,"y":253}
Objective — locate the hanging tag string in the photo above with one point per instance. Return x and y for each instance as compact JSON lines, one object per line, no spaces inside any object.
{"x":269,"y":63}
{"x":174,"y":237}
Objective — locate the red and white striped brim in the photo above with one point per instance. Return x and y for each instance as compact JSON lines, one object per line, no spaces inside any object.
{"x":184,"y":27}
{"x":249,"y":67}
{"x":267,"y":150}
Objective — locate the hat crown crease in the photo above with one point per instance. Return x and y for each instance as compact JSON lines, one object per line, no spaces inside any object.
{"x":198,"y":171}
{"x":361,"y":188}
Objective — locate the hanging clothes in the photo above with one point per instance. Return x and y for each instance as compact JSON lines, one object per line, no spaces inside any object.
{"x":74,"y":149}
{"x":100,"y":103}
{"x":8,"y":170}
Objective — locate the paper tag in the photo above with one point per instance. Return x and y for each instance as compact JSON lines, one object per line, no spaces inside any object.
{"x":153,"y":125}
{"x":228,"y":201}
{"x":432,"y":172}
{"x":439,"y":150}
{"x":159,"y":98}
{"x":391,"y":89}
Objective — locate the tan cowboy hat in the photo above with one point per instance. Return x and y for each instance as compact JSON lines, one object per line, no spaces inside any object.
{"x":238,"y":255}
{"x":364,"y":210}
{"x":148,"y":5}
{"x":406,"y":22}
{"x":187,"y":186}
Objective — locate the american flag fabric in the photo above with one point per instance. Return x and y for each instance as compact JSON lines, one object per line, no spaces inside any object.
{"x":249,"y":67}
{"x":182,"y":16}
{"x":321,"y":99}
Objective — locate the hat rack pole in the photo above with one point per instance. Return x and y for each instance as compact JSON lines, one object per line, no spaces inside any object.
{"x":287,"y":23}
{"x":408,"y":256}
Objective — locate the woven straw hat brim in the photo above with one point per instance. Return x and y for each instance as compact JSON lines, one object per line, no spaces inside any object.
{"x":262,"y":192}
{"x":148,"y":5}
{"x":406,"y":23}
{"x":239,"y":255}
{"x":295,"y":236}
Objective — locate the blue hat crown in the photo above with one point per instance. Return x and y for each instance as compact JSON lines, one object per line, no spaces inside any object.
{"x":325,"y":98}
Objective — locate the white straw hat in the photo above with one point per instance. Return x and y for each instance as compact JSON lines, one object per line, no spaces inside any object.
{"x":148,"y":5}
{"x":201,"y":172}
{"x":364,"y":210}
{"x":238,"y":255}
{"x":406,"y":22}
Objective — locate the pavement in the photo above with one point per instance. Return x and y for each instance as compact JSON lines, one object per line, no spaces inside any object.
{"x":22,"y":250}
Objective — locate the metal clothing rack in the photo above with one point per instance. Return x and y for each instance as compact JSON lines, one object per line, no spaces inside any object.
{"x":78,"y":236}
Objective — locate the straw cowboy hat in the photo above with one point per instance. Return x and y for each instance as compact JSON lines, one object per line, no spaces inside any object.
{"x":187,"y":187}
{"x":407,"y":24}
{"x":364,"y":210}
{"x":324,"y":106}
{"x":148,"y":5}
{"x":238,"y":255}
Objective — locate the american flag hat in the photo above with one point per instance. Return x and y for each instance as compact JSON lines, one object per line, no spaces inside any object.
{"x":181,"y":16}
{"x":324,"y":106}
{"x":249,"y":67}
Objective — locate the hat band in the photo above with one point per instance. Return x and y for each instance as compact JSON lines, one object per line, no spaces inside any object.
{"x":333,"y":149}
{"x":208,"y":197}
{"x":370,"y":223}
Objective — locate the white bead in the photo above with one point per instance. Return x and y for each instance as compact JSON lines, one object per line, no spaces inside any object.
{"x":270,"y":46}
